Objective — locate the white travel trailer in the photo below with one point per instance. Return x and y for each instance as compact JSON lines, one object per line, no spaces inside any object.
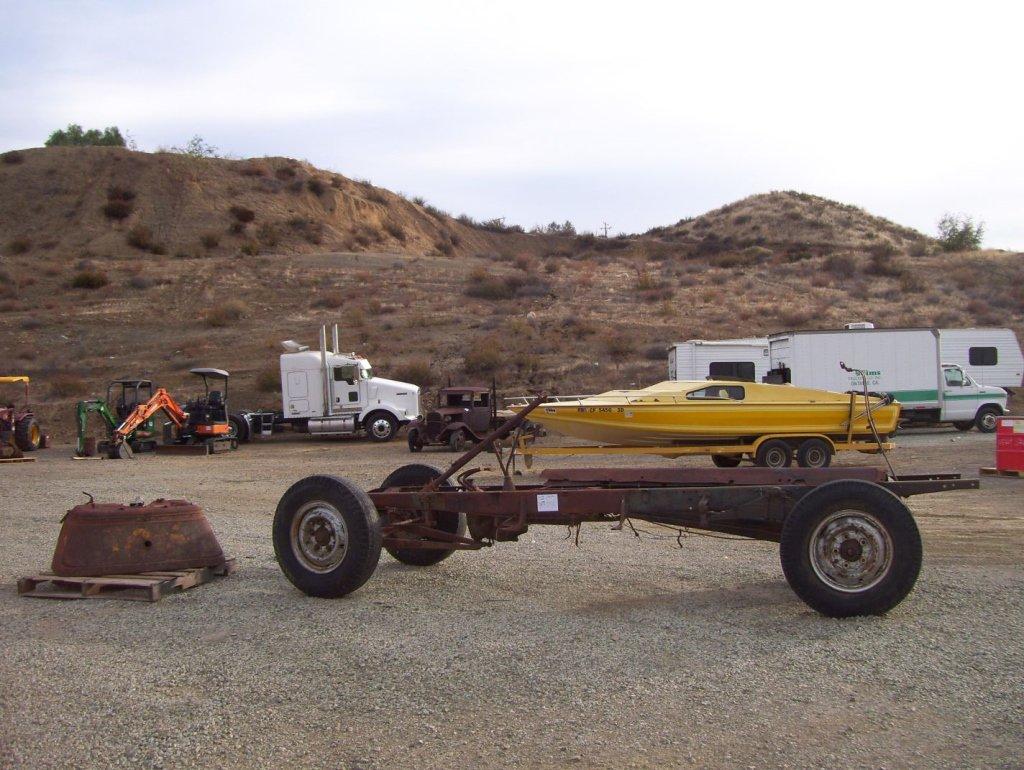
{"x":738,"y":359}
{"x":991,"y":356}
{"x":332,"y":393}
{"x":903,"y":362}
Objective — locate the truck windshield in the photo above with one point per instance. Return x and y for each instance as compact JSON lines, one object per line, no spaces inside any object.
{"x":366,"y":373}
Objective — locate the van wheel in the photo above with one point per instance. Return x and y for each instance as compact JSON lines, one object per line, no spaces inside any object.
{"x":850,"y":548}
{"x":381,"y":426}
{"x":774,"y":453}
{"x":814,"y":453}
{"x":964,"y":425}
{"x":416,"y":475}
{"x":986,"y":419}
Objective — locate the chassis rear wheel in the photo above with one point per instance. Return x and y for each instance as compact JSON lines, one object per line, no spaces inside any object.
{"x":414,"y":475}
{"x":326,"y":536}
{"x":850,"y":548}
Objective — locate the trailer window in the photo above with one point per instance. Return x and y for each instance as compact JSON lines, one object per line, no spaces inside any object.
{"x":983,"y":356}
{"x":732,"y":370}
{"x":718,"y":393}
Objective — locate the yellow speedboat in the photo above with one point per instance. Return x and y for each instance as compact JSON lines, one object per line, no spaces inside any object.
{"x":678,"y":412}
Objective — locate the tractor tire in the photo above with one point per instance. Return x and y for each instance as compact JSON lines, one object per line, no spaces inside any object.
{"x":986,"y":419}
{"x":414,"y":475}
{"x":850,"y":548}
{"x":963,"y":425}
{"x":726,"y":461}
{"x":240,"y":428}
{"x":380,"y":426}
{"x":27,"y":434}
{"x":814,"y":453}
{"x":774,"y":453}
{"x":326,"y":536}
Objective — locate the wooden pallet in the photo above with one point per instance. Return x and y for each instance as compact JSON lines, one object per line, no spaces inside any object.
{"x":998,"y":472}
{"x":18,"y":460}
{"x":142,"y":587}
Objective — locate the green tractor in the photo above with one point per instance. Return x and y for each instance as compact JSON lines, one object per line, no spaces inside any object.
{"x":122,"y":398}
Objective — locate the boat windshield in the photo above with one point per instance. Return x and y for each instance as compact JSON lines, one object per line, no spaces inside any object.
{"x":718,"y":393}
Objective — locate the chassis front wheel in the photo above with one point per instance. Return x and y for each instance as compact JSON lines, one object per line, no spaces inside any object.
{"x":851,"y":548}
{"x":416,"y":475}
{"x":327,"y":536}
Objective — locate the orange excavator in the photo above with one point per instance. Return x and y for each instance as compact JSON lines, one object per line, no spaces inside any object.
{"x":202,"y":427}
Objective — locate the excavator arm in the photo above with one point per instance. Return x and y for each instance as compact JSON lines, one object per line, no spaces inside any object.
{"x":161,"y":401}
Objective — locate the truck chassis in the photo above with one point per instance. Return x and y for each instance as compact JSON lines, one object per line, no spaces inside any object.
{"x":847,"y":541}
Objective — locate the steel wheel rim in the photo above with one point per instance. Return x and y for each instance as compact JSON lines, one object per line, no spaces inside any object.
{"x":319,"y":536}
{"x":815,"y":457}
{"x":380,"y":427}
{"x":850,"y":551}
{"x":988,"y":420}
{"x":775,"y":458}
{"x":33,"y":434}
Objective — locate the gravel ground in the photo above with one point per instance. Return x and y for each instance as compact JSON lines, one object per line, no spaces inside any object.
{"x":618,"y":653}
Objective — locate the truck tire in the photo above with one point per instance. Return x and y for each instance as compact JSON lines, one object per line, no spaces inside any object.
{"x":726,"y":461}
{"x":380,"y":426}
{"x":415,"y":475}
{"x":326,"y":536}
{"x":964,"y":425}
{"x":27,"y":434}
{"x":415,"y":442}
{"x":457,"y":441}
{"x":850,"y":548}
{"x":985,"y":420}
{"x":240,"y":426}
{"x":774,"y":453}
{"x":814,"y":453}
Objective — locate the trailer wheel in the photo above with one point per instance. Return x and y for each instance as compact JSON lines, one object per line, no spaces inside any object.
{"x":381,"y":426}
{"x":415,"y":475}
{"x":415,"y":442}
{"x":726,"y":461}
{"x":850,"y":548}
{"x":326,"y":536}
{"x":774,"y":453}
{"x":814,"y":453}
{"x":986,"y":419}
{"x":240,"y":426}
{"x":27,"y":434}
{"x":457,"y":441}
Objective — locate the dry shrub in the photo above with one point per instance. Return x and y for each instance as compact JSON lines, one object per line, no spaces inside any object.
{"x":395,"y":230}
{"x":414,"y":370}
{"x":268,"y":380}
{"x":445,"y":247}
{"x":316,"y":186}
{"x":618,"y":345}
{"x":483,"y":285}
{"x":484,"y":357}
{"x":30,"y":323}
{"x":89,"y":278}
{"x":250,"y":248}
{"x":140,"y":236}
{"x":284,"y":173}
{"x":141,"y":282}
{"x":226,"y":313}
{"x":12,"y":157}
{"x":117,"y":210}
{"x":268,"y":235}
{"x":374,"y":195}
{"x":842,"y":265}
{"x":330,"y":299}
{"x":883,"y":261}
{"x":65,"y":385}
{"x":252,"y":169}
{"x":18,"y":246}
{"x":243,"y":214}
{"x":209,"y":240}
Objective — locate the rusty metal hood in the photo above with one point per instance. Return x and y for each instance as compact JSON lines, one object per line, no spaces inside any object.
{"x":110,"y":538}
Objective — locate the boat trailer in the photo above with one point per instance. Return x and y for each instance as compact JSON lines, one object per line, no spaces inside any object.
{"x":847,"y":541}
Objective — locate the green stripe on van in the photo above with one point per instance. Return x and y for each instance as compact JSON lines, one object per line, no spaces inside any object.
{"x":916,"y":395}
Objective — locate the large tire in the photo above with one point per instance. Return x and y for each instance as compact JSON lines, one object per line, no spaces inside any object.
{"x":726,"y":461}
{"x":415,"y":475}
{"x":380,"y":426}
{"x":850,"y":548}
{"x":326,"y":536}
{"x":986,"y":419}
{"x":964,"y":425}
{"x":27,"y":434}
{"x":814,"y":453}
{"x":457,"y":441}
{"x":415,"y":442}
{"x":240,"y":427}
{"x":774,"y":453}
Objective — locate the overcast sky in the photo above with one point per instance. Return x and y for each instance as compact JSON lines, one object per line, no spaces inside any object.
{"x":637,"y":114}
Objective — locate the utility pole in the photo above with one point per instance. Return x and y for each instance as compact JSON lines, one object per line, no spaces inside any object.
{"x":605,"y":226}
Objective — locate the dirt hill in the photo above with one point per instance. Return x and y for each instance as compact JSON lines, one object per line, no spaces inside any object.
{"x":80,"y":305}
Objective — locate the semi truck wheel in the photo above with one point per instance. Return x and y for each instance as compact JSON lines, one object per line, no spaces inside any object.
{"x":380,"y":426}
{"x":986,"y":419}
{"x":326,"y":536}
{"x":27,"y":434}
{"x":850,"y":548}
{"x":774,"y":453}
{"x":814,"y":453}
{"x":240,"y":427}
{"x":416,"y":475}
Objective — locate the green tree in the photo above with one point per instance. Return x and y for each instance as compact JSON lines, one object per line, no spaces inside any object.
{"x":75,"y":136}
{"x":958,"y":232}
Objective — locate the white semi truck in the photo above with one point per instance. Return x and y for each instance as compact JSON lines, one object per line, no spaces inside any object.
{"x":904,"y":362}
{"x":328,"y":393}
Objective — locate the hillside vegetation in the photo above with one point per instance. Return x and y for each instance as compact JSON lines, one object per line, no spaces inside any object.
{"x":215,"y":261}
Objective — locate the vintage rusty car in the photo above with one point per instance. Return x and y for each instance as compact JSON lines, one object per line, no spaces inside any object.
{"x":463,"y":415}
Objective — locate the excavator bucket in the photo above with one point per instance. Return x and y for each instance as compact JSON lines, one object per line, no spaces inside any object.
{"x":124,"y":452}
{"x":114,"y":539}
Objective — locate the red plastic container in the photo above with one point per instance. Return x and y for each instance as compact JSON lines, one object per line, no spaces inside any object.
{"x":1010,"y":444}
